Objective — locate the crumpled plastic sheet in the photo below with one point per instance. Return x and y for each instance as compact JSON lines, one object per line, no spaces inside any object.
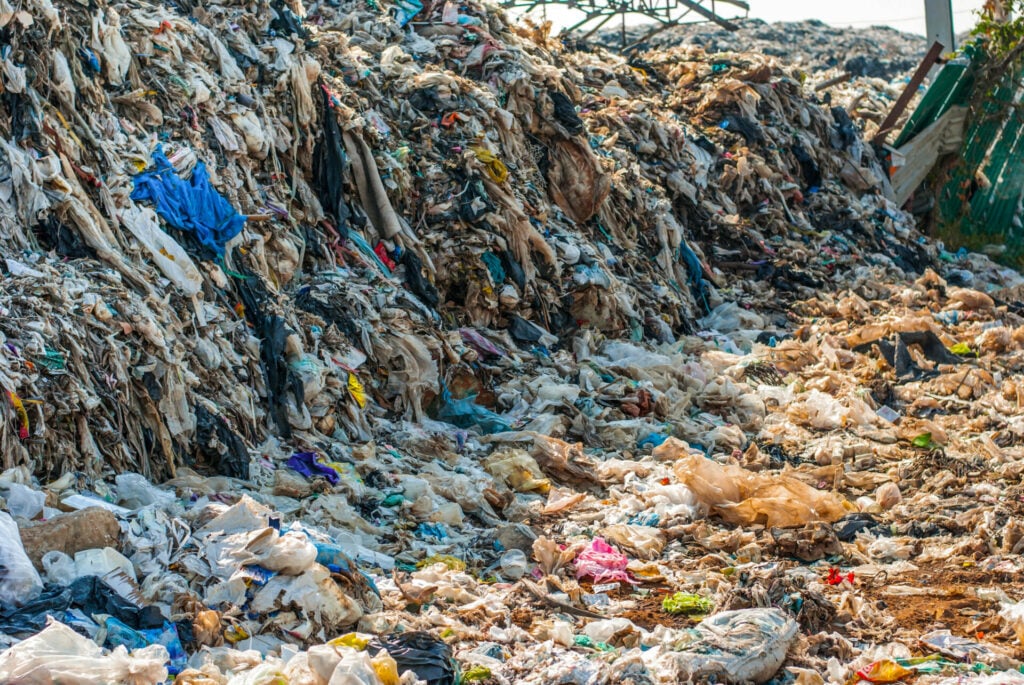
{"x":742,"y":497}
{"x":60,"y":655}
{"x":602,"y":563}
{"x":193,"y":205}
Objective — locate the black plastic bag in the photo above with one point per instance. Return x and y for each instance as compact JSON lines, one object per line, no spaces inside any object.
{"x":430,"y":658}
{"x":219,"y":444}
{"x":565,"y":112}
{"x":329,"y":164}
{"x":93,"y":596}
{"x":808,"y":167}
{"x":846,"y":528}
{"x":31,"y":618}
{"x":417,"y":282}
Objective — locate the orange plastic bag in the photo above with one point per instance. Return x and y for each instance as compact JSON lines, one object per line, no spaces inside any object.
{"x":884,"y":671}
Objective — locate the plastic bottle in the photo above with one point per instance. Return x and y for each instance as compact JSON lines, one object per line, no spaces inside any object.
{"x":450,"y":13}
{"x":513,"y":564}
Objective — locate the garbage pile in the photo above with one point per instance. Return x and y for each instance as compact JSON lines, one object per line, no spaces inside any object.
{"x":875,"y":52}
{"x":372,"y":343}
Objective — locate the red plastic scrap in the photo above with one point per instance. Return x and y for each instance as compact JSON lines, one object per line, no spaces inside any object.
{"x":835,"y":577}
{"x":449,"y":119}
{"x":382,"y":253}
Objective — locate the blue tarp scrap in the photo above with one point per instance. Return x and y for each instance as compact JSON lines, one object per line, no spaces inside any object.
{"x":193,"y":205}
{"x":406,"y":10}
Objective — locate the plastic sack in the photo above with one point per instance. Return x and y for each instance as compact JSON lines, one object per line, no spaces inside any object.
{"x":747,"y":645}
{"x":135,"y":492}
{"x":643,"y":542}
{"x":23,"y":501}
{"x":60,"y":655}
{"x":166,"y":253}
{"x":59,"y":568}
{"x":518,"y":470}
{"x":602,"y":563}
{"x":289,"y":554}
{"x":19,"y":580}
{"x":742,"y":497}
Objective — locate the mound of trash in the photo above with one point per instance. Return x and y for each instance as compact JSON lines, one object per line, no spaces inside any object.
{"x":872,"y":51}
{"x":378,"y":343}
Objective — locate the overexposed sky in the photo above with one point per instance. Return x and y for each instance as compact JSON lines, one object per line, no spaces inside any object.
{"x":905,"y":15}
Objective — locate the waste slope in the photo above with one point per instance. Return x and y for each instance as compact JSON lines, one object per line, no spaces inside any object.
{"x":240,"y":221}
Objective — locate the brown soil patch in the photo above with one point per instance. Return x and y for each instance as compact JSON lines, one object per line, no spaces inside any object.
{"x":949,"y":603}
{"x":522,"y":617}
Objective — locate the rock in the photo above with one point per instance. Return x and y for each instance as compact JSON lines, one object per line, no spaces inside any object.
{"x":90,"y":528}
{"x":516,"y":536}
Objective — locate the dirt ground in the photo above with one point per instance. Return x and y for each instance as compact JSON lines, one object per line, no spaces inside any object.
{"x":947,"y":599}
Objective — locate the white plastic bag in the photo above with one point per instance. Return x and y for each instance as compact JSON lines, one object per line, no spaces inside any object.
{"x":63,"y":82}
{"x":108,"y":42}
{"x":166,"y":253}
{"x":19,"y":580}
{"x":59,"y":567}
{"x":643,"y":542}
{"x":289,"y":554}
{"x":135,"y":492}
{"x":60,"y":655}
{"x":23,"y":501}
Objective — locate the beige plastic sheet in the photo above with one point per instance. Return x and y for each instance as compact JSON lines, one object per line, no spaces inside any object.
{"x":745,"y":498}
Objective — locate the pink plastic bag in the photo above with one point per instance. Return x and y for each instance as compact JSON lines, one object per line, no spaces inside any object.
{"x":601,"y":562}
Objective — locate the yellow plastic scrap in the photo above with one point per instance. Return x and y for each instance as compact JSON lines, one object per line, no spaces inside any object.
{"x":962,"y":349}
{"x":476,"y":673}
{"x":453,"y":563}
{"x":353,"y":640}
{"x":686,"y":603}
{"x":640,"y":73}
{"x":356,"y":389}
{"x":386,"y":668}
{"x":19,"y":409}
{"x":494,"y":167}
{"x":235,"y":633}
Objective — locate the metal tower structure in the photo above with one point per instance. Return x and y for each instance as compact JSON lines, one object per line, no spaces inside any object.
{"x":663,"y":13}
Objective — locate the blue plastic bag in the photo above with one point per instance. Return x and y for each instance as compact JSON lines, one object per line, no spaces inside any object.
{"x":194,"y":205}
{"x":465,"y":413}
